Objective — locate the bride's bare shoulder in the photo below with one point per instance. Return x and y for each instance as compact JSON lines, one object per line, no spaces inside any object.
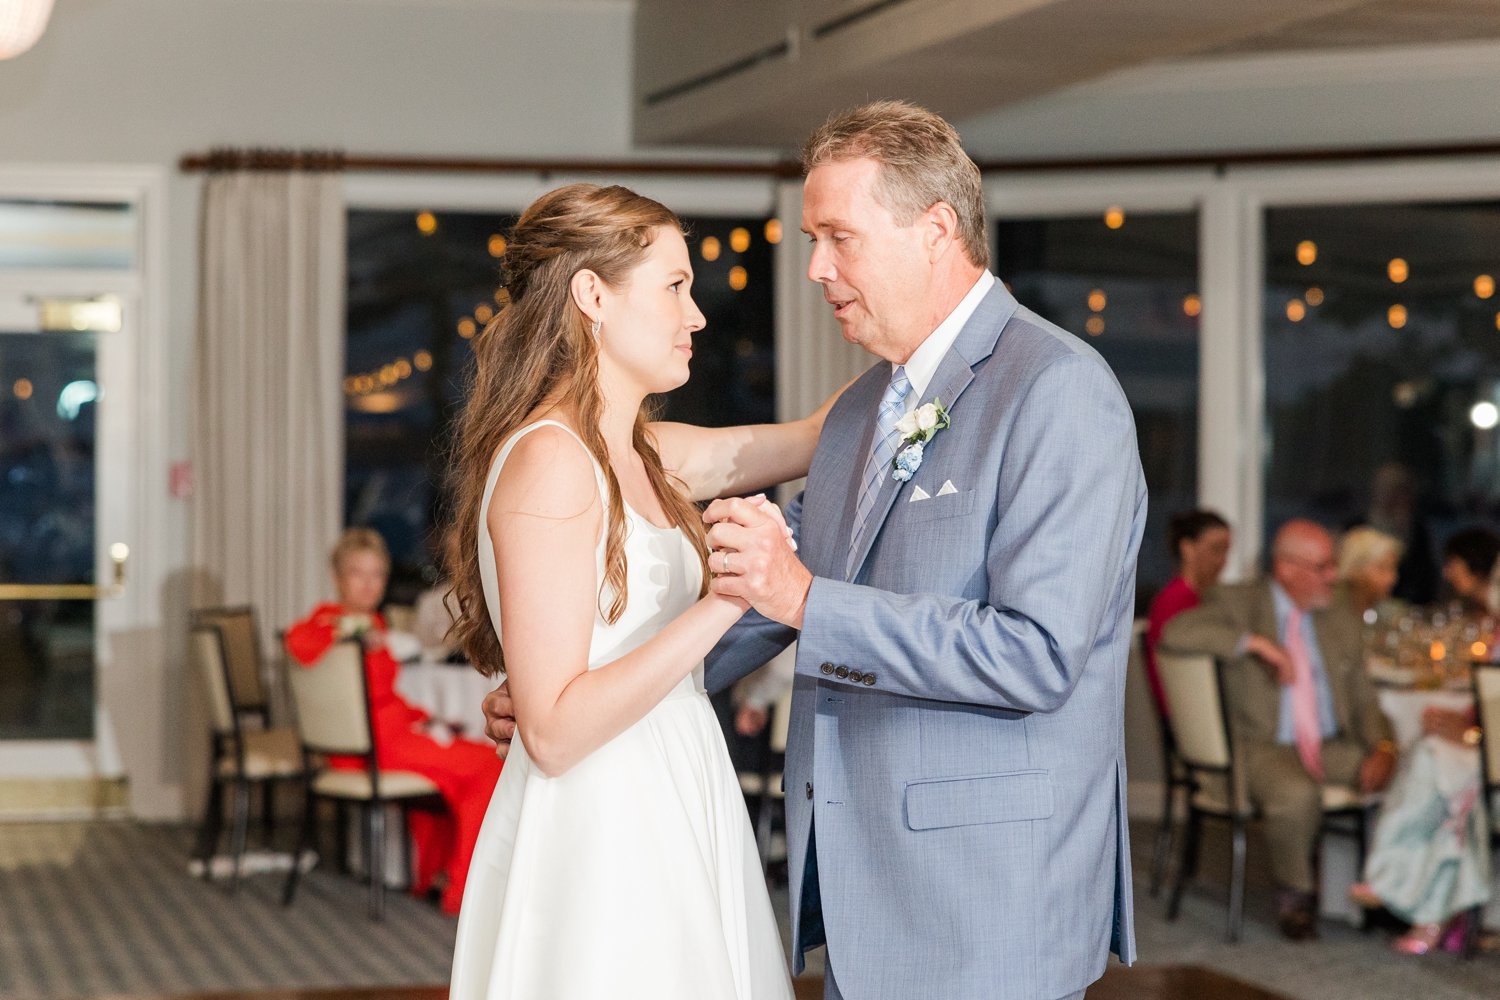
{"x":548,"y":474}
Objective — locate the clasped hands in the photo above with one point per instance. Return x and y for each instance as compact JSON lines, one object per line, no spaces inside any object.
{"x":753,"y":558}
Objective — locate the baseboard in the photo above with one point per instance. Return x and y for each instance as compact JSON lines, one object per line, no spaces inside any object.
{"x":29,"y":800}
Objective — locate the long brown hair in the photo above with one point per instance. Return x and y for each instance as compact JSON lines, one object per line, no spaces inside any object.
{"x":540,"y":348}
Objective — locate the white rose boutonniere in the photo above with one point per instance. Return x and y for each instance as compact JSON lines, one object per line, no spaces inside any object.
{"x":916,"y":429}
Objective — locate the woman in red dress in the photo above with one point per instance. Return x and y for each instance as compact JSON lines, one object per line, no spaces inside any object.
{"x":464,"y":771}
{"x":1199,"y":540}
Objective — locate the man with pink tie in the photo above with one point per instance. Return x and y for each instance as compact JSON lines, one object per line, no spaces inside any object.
{"x":1302,"y":708}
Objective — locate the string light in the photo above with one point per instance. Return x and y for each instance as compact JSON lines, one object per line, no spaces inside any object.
{"x":1484,"y":286}
{"x":1192,"y":305}
{"x":483,"y":312}
{"x":426,"y":223}
{"x":1295,"y":310}
{"x":1098,"y":300}
{"x":710,"y":248}
{"x":22,"y":388}
{"x":497,"y":245}
{"x":1397,"y":270}
{"x":467,"y":328}
{"x":1307,"y":253}
{"x":738,"y":278}
{"x":1094,"y":326}
{"x":1114,"y":218}
{"x":1396,"y":316}
{"x":773,"y":231}
{"x":1314,"y":296}
{"x":422,"y":361}
{"x":739,"y":239}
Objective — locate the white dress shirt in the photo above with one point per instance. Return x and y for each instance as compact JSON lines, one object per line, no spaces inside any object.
{"x":924,"y":361}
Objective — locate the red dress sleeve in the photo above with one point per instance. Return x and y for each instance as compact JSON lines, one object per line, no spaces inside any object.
{"x":310,"y":638}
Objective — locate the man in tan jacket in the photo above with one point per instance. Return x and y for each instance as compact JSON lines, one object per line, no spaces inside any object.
{"x":1302,"y":709}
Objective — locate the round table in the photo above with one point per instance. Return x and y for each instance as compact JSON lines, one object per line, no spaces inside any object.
{"x":452,"y":692}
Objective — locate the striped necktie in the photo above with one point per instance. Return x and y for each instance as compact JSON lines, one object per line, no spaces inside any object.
{"x":882,"y":453}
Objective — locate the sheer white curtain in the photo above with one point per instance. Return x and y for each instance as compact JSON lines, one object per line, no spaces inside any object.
{"x":268,"y":433}
{"x":812,"y":357}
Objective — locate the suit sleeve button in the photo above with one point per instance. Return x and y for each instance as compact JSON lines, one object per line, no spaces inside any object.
{"x":869,"y":680}
{"x":809,"y":789}
{"x":827,"y":668}
{"x":841,"y":672}
{"x":855,"y":677}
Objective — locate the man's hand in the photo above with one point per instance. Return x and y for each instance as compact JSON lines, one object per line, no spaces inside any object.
{"x":1277,"y":662}
{"x":1376,"y":770}
{"x":750,"y":720}
{"x":753,"y":561}
{"x":500,"y":719}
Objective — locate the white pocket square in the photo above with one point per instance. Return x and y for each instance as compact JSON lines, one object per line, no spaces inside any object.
{"x":948,"y":487}
{"x":917,"y":493}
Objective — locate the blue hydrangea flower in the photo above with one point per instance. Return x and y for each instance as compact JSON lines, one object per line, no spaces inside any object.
{"x":908,"y":461}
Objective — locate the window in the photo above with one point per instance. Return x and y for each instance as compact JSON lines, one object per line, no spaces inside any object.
{"x":1382,"y":366}
{"x":421,"y":285}
{"x":1131,"y":291}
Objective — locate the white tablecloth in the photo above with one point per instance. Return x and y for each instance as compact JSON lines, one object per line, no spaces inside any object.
{"x":451,"y":692}
{"x":1404,"y":707}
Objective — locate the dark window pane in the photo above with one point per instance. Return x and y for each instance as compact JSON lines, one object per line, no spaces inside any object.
{"x":47,"y":404}
{"x":421,"y":286}
{"x":1372,"y":383}
{"x":1132,"y":293}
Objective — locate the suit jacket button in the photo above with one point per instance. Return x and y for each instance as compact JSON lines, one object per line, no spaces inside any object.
{"x":869,"y":680}
{"x":827,"y":668}
{"x":809,"y":789}
{"x":841,"y":672}
{"x":855,"y":677}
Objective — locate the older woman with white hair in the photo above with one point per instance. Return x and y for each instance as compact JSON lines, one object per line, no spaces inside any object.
{"x":1368,"y":558}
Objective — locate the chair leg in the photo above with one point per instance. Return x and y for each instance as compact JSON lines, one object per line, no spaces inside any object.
{"x":406,"y":850}
{"x":213,"y":825}
{"x":1237,"y":882}
{"x":268,"y":812}
{"x":1474,"y":923}
{"x":304,"y":842}
{"x":1187,"y":863}
{"x":341,"y":841}
{"x":375,"y":858}
{"x":1163,"y":848}
{"x":240,"y":830}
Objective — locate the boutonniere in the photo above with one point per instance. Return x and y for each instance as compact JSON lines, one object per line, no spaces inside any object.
{"x":916,"y":429}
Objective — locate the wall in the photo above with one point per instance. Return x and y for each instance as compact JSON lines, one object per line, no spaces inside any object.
{"x":138,"y":83}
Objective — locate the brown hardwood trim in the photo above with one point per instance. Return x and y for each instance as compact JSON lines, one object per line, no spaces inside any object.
{"x":286,"y":159}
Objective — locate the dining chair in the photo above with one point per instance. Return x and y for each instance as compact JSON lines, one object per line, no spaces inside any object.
{"x":1205,"y":745}
{"x":241,"y":756}
{"x":331,"y":703}
{"x":1175,"y":776}
{"x":1486,"y":683}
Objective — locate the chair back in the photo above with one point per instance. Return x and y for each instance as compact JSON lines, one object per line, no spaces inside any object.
{"x":330,"y":701}
{"x":1198,"y":724}
{"x":1487,"y":714}
{"x":247,"y":686}
{"x":206,"y":650}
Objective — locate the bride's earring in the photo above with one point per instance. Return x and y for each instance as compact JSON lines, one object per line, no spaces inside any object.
{"x":598,"y":324}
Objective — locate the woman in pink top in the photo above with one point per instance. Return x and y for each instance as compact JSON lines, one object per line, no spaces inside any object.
{"x":1199,"y":540}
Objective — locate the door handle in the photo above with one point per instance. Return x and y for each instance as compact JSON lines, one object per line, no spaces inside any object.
{"x":119,"y":552}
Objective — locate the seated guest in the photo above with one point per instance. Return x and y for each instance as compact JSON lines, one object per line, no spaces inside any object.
{"x":1302,"y":709}
{"x":1430,"y":860}
{"x":1468,"y":562}
{"x":464,"y":771}
{"x":1199,"y":542}
{"x":1368,"y":559}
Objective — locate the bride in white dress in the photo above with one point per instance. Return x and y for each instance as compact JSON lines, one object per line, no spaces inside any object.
{"x":616,"y":859}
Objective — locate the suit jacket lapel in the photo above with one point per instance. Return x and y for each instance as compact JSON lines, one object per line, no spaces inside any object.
{"x":975,"y":342}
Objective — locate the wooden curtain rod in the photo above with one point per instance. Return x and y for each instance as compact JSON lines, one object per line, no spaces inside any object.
{"x":264,"y":159}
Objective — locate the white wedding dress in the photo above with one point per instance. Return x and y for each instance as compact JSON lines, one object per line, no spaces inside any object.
{"x":634,"y":873}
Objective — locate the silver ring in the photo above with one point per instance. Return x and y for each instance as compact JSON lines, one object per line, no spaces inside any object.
{"x":726,"y":561}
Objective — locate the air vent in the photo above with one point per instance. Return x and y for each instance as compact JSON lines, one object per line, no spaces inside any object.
{"x":744,"y":64}
{"x":852,"y":18}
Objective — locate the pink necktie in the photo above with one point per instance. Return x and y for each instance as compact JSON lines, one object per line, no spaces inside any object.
{"x":1305,"y":725}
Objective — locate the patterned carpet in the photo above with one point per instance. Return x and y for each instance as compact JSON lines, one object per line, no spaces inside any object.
{"x":89,"y":910}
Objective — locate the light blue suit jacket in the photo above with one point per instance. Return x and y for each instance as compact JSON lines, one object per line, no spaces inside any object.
{"x":957,"y":723}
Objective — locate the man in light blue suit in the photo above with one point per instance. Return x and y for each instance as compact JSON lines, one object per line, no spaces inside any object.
{"x":956,"y":765}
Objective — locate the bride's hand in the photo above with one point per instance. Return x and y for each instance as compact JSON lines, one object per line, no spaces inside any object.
{"x":768,"y":506}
